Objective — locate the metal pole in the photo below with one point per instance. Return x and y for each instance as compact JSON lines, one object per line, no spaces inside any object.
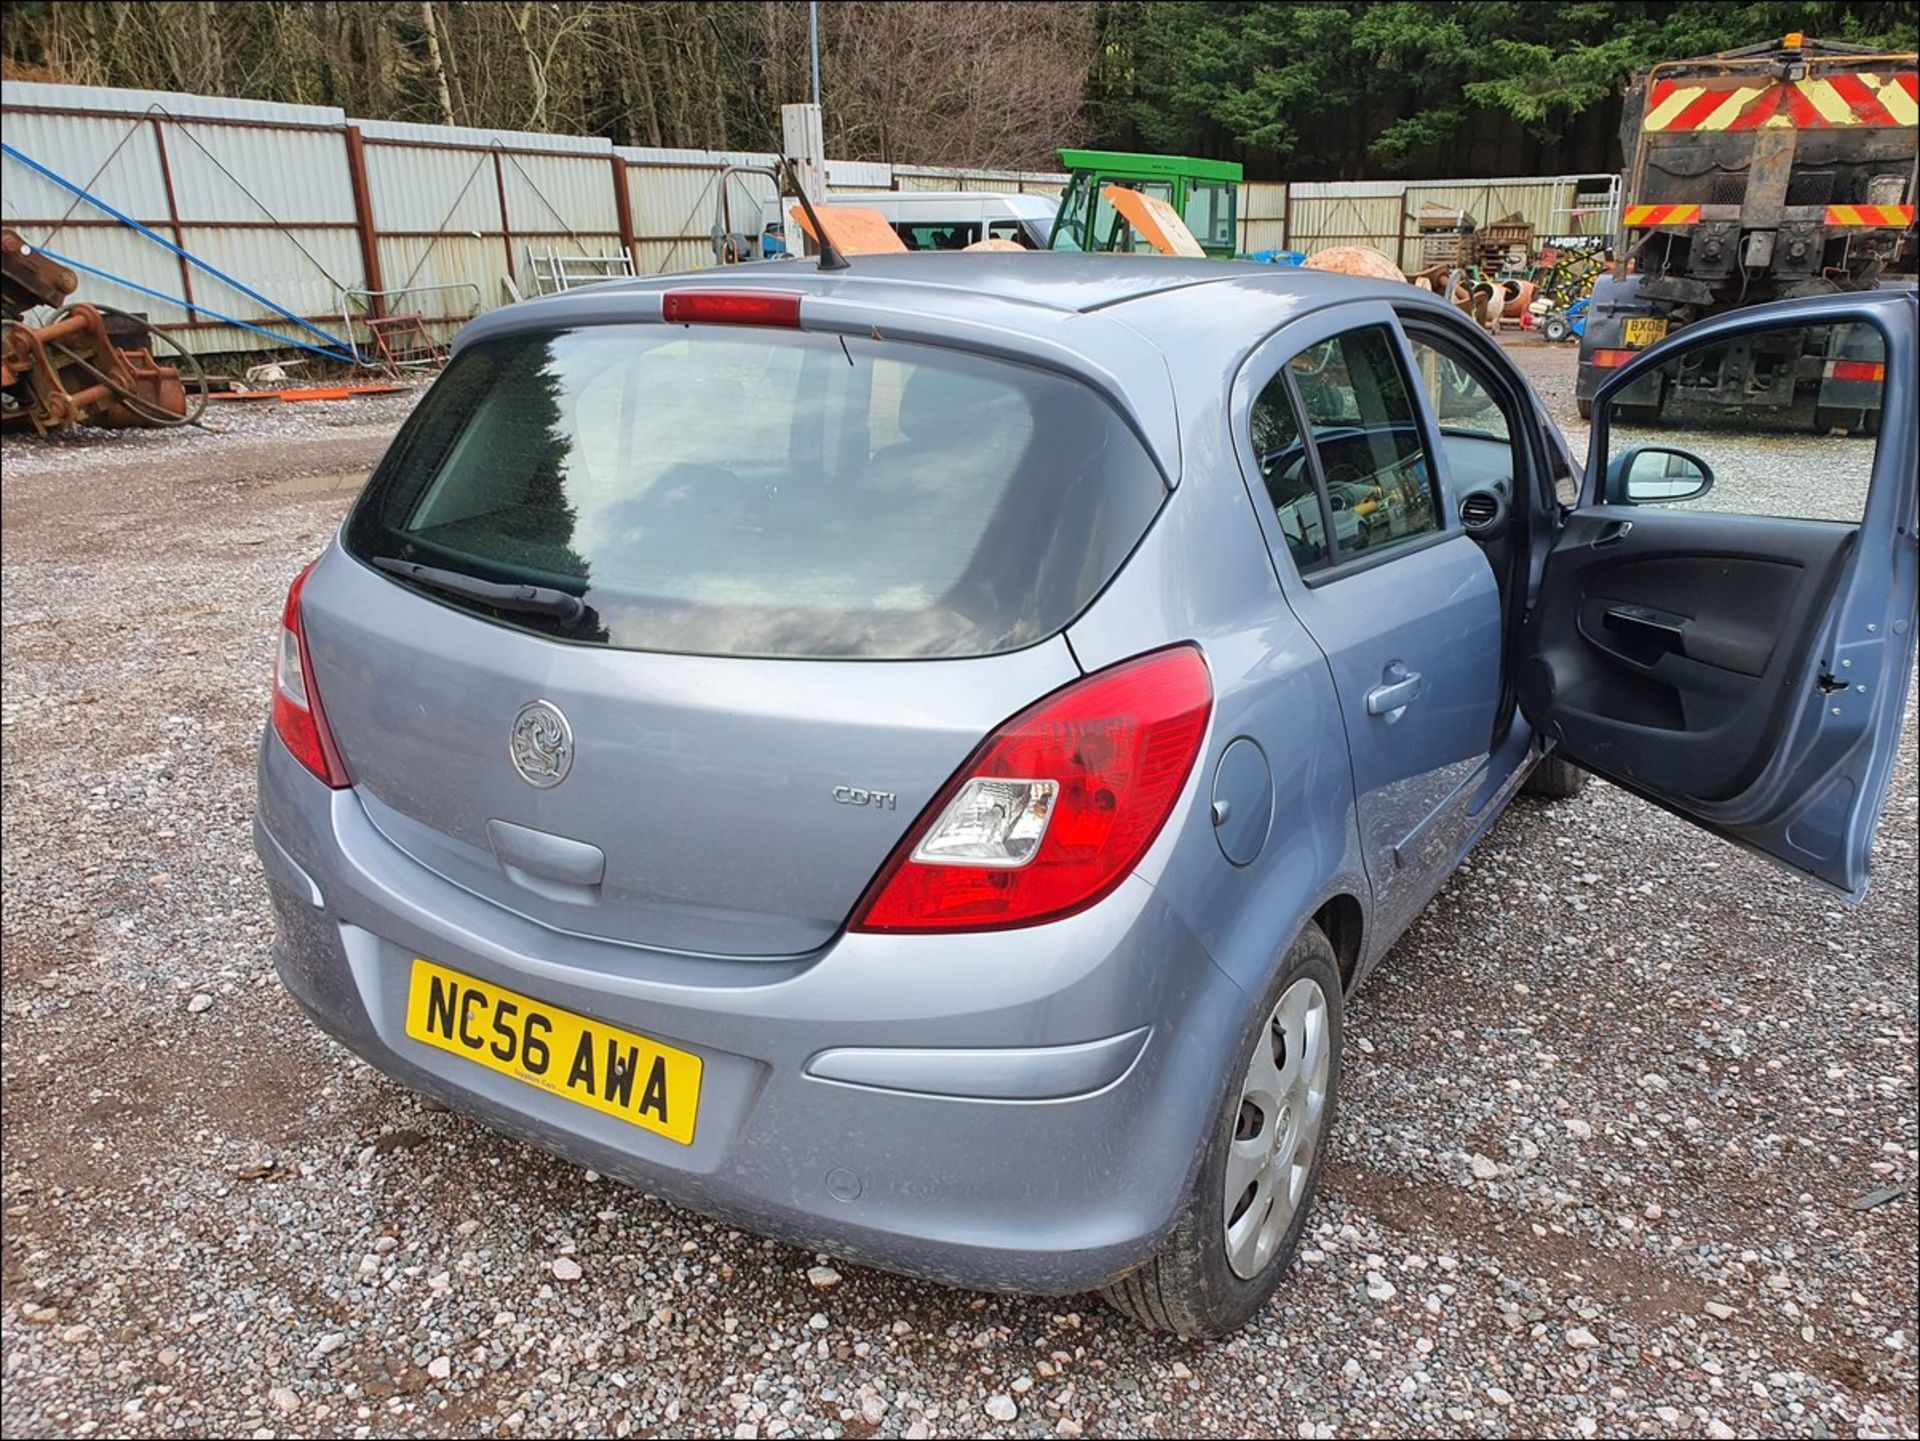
{"x":813,"y":39}
{"x":363,"y":221}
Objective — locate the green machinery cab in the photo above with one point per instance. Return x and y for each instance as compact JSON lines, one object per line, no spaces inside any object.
{"x":1205,"y":192}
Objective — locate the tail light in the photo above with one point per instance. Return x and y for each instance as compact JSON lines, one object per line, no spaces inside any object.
{"x":297,"y":717}
{"x":1613,"y":359}
{"x":1057,"y":807}
{"x":1856,"y":370}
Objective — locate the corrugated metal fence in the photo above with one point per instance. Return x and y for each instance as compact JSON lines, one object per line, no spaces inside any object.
{"x":328,"y":215}
{"x":1385,"y":214}
{"x":261,"y":192}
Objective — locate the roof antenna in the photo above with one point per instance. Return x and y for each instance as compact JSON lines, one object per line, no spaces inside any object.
{"x":830,"y":256}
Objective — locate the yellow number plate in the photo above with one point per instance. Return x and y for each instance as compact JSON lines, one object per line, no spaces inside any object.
{"x":597,"y":1065}
{"x":1645,"y":331}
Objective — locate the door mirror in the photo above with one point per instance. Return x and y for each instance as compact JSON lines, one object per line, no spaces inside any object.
{"x":1651,"y":473}
{"x":1779,"y":421}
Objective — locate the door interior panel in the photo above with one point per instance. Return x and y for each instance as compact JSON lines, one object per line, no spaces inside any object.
{"x":1669,"y":645}
{"x":1650,"y":601}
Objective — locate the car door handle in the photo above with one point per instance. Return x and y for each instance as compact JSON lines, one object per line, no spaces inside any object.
{"x":1612,"y":533}
{"x":1400,"y":690}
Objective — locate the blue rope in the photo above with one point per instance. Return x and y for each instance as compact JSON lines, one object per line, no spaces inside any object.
{"x":345,"y":355}
{"x":158,"y":239}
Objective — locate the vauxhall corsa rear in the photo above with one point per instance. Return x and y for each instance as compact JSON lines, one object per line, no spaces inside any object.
{"x":904,"y":761}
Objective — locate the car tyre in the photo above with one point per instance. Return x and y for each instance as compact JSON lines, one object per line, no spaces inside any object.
{"x":1585,"y":407}
{"x":1192,"y":1287}
{"x":1556,"y":778}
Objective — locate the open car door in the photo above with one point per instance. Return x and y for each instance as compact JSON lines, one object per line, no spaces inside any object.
{"x":1725,"y":625}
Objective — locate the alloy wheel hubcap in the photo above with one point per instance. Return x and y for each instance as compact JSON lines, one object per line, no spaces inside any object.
{"x":1276,"y":1132}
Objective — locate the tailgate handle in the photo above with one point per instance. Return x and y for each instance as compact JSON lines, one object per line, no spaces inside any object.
{"x":530,"y":857}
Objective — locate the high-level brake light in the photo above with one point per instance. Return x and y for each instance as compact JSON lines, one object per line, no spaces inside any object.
{"x":731,"y":307}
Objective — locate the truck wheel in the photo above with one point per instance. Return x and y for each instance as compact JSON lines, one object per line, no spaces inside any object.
{"x":1585,"y":407}
{"x":1556,"y":779}
{"x":1243,"y":1219}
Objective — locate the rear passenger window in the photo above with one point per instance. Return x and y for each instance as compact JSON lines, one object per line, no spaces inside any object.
{"x":1288,"y":474}
{"x":1360,"y":416}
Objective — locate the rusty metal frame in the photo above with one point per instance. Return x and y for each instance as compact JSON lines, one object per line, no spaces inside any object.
{"x":167,"y":222}
{"x":1765,"y":62}
{"x":363,"y":218}
{"x":623,"y":208}
{"x":73,"y":368}
{"x":173,"y":210}
{"x":506,"y":224}
{"x":96,"y":114}
{"x":473,"y":149}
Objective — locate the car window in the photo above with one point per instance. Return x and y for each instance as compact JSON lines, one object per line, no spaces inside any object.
{"x":1284,"y":467}
{"x":1474,"y":432}
{"x":1010,"y":230}
{"x":1779,"y":422}
{"x":1360,"y":417}
{"x":945,"y":235}
{"x":1455,"y":389}
{"x":729,"y":490}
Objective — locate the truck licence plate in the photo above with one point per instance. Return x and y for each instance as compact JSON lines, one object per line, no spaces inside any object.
{"x":1644,"y":331}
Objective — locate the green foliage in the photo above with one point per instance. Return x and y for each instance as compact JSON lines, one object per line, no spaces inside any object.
{"x":1334,"y":87}
{"x":1308,"y":90}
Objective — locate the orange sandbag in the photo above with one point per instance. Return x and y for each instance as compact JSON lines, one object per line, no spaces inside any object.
{"x":1361,"y":260}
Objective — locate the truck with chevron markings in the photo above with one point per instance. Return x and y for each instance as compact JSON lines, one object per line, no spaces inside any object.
{"x":1775,"y":171}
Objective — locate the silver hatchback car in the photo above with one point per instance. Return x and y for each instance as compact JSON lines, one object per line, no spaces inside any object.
{"x":911,"y":760}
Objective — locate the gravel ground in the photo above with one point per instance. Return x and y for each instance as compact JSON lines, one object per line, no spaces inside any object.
{"x":1613,"y":1110}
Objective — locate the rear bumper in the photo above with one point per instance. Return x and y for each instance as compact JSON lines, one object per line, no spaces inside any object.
{"x":1014,"y":1111}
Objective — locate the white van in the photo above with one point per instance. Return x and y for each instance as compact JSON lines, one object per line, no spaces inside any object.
{"x":955,"y":219}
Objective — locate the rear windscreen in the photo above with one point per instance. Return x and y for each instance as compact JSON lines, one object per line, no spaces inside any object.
{"x":720,"y":490}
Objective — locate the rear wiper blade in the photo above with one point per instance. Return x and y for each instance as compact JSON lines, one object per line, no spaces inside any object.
{"x":532,"y":599}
